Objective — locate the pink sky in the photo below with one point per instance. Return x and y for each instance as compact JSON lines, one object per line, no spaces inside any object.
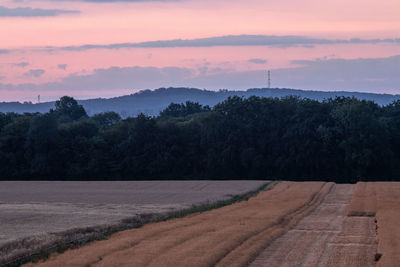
{"x":112,"y":23}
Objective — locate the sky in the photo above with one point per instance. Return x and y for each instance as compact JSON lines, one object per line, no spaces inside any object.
{"x":106,"y":48}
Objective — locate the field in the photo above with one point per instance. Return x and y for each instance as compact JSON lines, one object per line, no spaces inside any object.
{"x":230,"y":236}
{"x":326,"y":237}
{"x":287,"y":224}
{"x":31,"y":211}
{"x":381,"y":200}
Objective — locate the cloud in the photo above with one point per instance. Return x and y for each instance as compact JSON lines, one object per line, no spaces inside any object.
{"x":4,"y":51}
{"x":35,"y":73}
{"x":116,"y":1}
{"x":231,"y":40}
{"x":363,"y":74}
{"x":113,"y":78}
{"x":127,"y":77}
{"x":258,"y":61}
{"x":21,"y":64}
{"x":33,"y":12}
{"x":379,"y":75}
{"x":62,"y":66}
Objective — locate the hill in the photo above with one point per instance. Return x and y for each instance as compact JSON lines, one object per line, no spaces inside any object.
{"x":151,"y":102}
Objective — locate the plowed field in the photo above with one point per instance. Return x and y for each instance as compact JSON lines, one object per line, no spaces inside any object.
{"x":36,"y":208}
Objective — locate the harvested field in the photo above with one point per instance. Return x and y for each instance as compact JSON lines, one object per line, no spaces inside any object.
{"x":383,"y":199}
{"x":32,"y":211}
{"x":326,"y":237}
{"x":230,"y":236}
{"x":363,"y":200}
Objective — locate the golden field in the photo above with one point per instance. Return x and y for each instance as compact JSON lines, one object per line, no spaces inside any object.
{"x":289,"y":224}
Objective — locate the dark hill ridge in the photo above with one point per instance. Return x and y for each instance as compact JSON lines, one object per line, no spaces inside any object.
{"x":151,"y":102}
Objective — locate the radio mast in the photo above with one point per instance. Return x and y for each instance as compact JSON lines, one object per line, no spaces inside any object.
{"x":269,"y":79}
{"x":38,"y":99}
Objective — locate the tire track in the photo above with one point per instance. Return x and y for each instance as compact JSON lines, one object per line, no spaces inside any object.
{"x":253,"y":245}
{"x":326,"y":237}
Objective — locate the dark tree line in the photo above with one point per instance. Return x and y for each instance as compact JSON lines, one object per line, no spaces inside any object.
{"x":341,"y":139}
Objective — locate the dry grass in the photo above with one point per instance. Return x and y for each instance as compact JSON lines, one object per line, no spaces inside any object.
{"x":229,"y":236}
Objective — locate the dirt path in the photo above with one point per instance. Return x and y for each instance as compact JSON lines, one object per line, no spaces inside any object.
{"x":326,"y":237}
{"x":229,"y":236}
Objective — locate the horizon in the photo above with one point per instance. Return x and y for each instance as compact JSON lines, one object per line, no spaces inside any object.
{"x":203,"y":89}
{"x":107,"y":48}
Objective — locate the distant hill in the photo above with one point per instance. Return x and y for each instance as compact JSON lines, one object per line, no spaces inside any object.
{"x":151,"y":102}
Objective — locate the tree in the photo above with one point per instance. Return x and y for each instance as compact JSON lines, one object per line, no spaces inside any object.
{"x":67,"y":108}
{"x":13,"y":163}
{"x":41,"y":145}
{"x":106,"y":120}
{"x":182,"y":110}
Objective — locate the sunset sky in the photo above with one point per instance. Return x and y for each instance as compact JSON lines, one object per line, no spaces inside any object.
{"x":105,"y":48}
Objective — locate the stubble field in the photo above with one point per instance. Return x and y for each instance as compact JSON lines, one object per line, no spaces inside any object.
{"x":288,"y":224}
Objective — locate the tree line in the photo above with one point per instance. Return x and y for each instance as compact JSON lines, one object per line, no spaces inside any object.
{"x":342,"y":139}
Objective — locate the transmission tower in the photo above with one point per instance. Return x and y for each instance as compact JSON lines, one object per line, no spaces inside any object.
{"x":269,"y":79}
{"x":38,"y":99}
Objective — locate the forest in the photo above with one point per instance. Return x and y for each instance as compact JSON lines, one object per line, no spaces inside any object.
{"x":339,"y":139}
